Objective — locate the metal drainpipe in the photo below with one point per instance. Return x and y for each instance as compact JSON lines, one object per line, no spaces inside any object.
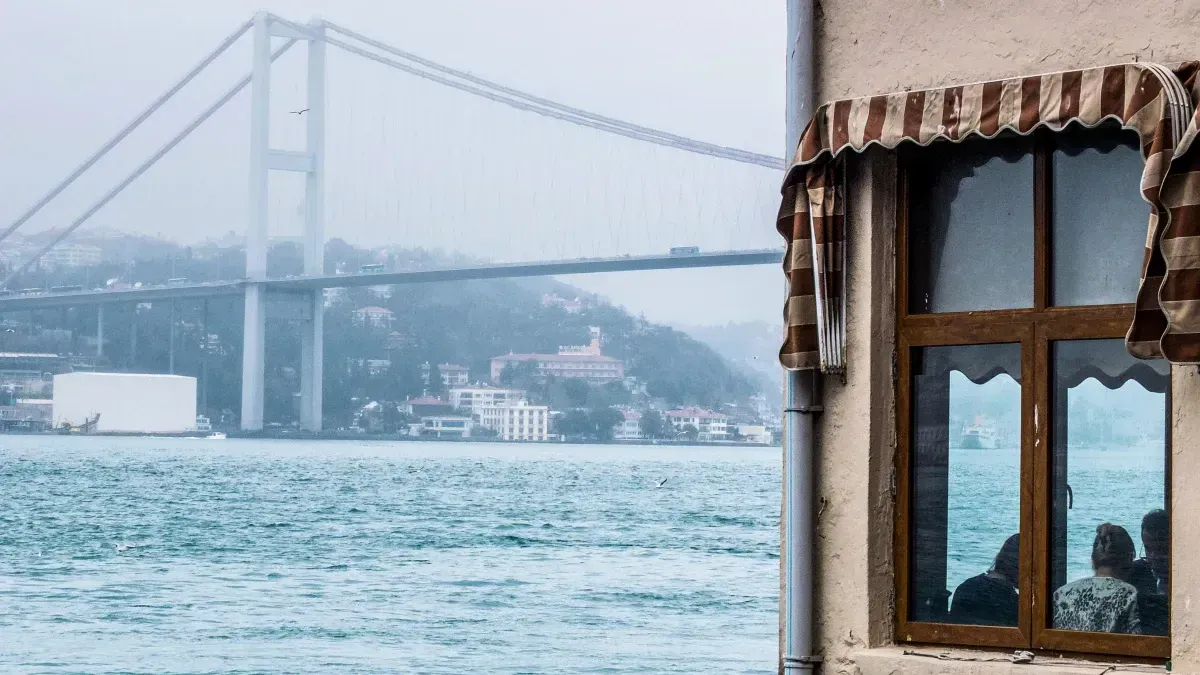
{"x":801,"y":395}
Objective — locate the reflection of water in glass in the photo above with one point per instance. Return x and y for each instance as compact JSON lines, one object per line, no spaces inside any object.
{"x":1118,"y":484}
{"x":984,"y":499}
{"x":1122,"y":477}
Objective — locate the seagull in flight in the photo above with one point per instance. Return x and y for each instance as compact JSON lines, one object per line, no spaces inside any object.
{"x":299,"y":112}
{"x":660,"y":483}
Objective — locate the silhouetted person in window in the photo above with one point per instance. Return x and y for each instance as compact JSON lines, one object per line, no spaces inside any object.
{"x":1105,"y":602}
{"x":1150,"y":574}
{"x":990,"y":599}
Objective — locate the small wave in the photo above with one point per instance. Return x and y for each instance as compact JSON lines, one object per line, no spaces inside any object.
{"x":355,"y":509}
{"x":514,"y":540}
{"x":338,"y":567}
{"x":486,"y":583}
{"x":275,"y":575}
{"x":273,"y":525}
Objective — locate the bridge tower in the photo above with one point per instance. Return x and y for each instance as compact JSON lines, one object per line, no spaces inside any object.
{"x":310,"y":161}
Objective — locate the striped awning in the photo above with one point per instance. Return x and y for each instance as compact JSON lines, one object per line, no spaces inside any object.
{"x":1157,"y":102}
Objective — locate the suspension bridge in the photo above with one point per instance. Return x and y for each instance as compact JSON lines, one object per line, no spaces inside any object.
{"x":305,"y":291}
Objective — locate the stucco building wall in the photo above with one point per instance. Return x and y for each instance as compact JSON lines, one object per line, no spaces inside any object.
{"x":868,"y":47}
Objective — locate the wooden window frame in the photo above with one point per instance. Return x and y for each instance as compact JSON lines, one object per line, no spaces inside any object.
{"x":1034,"y":329}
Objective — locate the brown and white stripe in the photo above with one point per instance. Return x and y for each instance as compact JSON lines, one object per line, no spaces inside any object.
{"x":1151,"y":99}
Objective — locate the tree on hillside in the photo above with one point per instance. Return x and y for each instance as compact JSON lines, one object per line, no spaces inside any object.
{"x":519,"y":375}
{"x":577,"y":391}
{"x":603,"y":420}
{"x":574,"y":423}
{"x":654,"y":425}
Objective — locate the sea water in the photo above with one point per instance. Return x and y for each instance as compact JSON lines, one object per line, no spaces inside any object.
{"x":126,"y":555}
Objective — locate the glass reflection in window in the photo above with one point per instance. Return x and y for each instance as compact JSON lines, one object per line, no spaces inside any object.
{"x":1098,"y":231}
{"x":1109,"y":526}
{"x":966,"y":454}
{"x":971,"y":227}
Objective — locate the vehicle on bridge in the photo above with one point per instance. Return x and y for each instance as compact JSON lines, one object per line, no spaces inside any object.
{"x":685,"y":250}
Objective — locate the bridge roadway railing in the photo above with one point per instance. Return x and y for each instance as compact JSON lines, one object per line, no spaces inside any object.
{"x":184,"y":291}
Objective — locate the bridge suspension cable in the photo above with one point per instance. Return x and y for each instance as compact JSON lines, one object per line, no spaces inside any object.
{"x":398,"y":59}
{"x":112,"y":142}
{"x":544,"y":106}
{"x":145,"y":166}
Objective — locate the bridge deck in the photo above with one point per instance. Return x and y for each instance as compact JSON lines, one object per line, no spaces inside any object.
{"x":186,"y":291}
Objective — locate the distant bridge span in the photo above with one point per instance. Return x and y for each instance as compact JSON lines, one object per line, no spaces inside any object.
{"x":186,"y":291}
{"x":306,"y":291}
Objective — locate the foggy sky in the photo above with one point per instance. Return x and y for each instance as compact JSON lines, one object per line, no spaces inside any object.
{"x":410,"y":163}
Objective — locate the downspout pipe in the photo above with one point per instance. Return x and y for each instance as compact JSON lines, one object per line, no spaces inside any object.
{"x":802,"y":387}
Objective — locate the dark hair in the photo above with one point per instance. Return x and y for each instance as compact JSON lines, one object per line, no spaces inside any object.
{"x":1156,"y":523}
{"x":1113,"y":548}
{"x":1008,"y":560}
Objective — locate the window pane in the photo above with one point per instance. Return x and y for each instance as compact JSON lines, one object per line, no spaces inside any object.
{"x":1109,"y":490}
{"x":966,"y":463}
{"x":1098,"y":233}
{"x":971,"y":227}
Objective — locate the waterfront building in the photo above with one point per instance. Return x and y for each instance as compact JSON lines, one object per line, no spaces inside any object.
{"x":517,"y":421}
{"x":630,"y":426}
{"x":710,"y":426}
{"x":447,"y":426}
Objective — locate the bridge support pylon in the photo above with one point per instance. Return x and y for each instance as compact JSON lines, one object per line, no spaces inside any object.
{"x":310,"y":162}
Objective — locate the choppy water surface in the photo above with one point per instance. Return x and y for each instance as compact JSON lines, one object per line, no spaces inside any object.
{"x":181,"y":556}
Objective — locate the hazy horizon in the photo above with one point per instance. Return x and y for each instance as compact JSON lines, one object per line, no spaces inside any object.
{"x":411,"y":163}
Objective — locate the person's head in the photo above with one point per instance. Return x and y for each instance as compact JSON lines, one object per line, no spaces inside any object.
{"x":1156,"y":540}
{"x":1112,"y":551}
{"x":1008,"y":560}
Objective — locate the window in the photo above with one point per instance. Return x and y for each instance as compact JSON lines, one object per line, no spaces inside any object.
{"x":1033,"y":462}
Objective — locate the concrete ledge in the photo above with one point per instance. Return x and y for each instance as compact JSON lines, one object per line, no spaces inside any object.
{"x":936,"y":661}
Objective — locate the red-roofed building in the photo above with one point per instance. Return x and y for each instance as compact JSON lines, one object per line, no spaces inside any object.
{"x":579,"y":362}
{"x":426,"y":406}
{"x":629,"y":428}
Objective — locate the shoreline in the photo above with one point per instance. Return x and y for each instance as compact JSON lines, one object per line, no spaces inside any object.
{"x":342,"y":436}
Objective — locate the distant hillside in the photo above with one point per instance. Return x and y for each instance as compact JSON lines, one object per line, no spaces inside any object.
{"x":752,"y":346}
{"x":466,"y":323}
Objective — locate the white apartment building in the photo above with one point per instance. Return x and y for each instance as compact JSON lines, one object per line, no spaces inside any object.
{"x":629,"y":428}
{"x":712,"y":426}
{"x":479,"y":397}
{"x":73,"y":255}
{"x":518,"y":421}
{"x":454,"y":375}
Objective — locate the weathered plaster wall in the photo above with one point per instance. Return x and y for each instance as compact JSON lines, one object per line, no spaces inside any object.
{"x":1185,"y":526}
{"x":874,"y":46}
{"x":869,"y":47}
{"x":854,"y":464}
